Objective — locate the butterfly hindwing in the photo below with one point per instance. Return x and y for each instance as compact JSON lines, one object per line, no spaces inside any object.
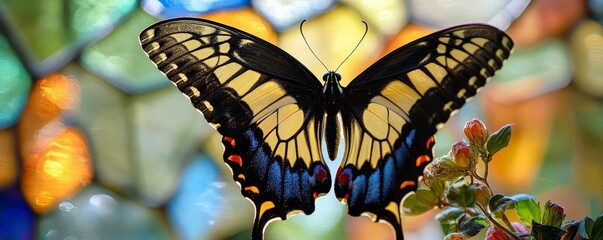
{"x":395,"y":107}
{"x":260,"y":99}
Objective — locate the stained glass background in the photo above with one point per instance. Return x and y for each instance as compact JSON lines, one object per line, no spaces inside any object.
{"x":96,"y":144}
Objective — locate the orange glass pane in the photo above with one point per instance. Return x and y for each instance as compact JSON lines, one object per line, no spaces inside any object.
{"x":57,"y":172}
{"x":408,"y":34}
{"x":8,"y":160}
{"x":41,"y":117}
{"x":247,"y":20}
{"x":515,"y":168}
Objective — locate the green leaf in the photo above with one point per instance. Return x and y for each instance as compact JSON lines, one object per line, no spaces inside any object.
{"x":449,"y":214}
{"x":412,"y":206}
{"x":499,"y":140}
{"x":597,"y":230}
{"x":427,"y":197}
{"x":544,"y":232}
{"x":500,"y":202}
{"x":463,"y":195}
{"x":527,"y":208}
{"x":586,"y":226}
{"x":446,"y":228}
{"x":473,"y":226}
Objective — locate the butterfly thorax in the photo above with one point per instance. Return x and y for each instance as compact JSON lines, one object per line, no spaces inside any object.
{"x":333,"y":93}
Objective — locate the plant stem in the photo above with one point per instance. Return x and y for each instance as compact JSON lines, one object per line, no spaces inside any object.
{"x":506,"y":221}
{"x":497,"y":224}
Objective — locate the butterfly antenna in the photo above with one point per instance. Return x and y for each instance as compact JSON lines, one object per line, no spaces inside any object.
{"x":306,"y":41}
{"x":362,"y":38}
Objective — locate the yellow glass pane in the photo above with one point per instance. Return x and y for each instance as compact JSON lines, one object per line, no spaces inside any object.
{"x":388,"y":16}
{"x":247,"y":20}
{"x":333,"y":36}
{"x":57,"y":172}
{"x":587,"y":49}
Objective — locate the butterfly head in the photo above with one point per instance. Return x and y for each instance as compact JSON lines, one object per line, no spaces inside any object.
{"x":331,"y":75}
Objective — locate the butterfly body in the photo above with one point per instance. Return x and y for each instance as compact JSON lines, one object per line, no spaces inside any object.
{"x":273,"y":113}
{"x":332,"y":103}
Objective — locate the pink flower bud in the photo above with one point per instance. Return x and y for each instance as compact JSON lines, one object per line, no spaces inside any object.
{"x":482,"y":193}
{"x":476,"y":132}
{"x":553,"y":214}
{"x":462,"y":154}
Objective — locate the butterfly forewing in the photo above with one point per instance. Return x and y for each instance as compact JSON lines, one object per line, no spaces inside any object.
{"x":260,"y":99}
{"x":396,"y":105}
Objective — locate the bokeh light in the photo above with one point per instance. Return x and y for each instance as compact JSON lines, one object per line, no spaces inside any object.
{"x":95,"y":143}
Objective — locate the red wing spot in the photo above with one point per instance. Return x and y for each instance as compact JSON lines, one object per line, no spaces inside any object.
{"x":406,"y":184}
{"x":422,"y":159}
{"x":236,"y":159}
{"x":230,"y":140}
{"x":344,"y":182}
{"x":321,"y":175}
{"x":430,"y":142}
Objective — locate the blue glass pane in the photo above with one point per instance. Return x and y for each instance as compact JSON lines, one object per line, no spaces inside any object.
{"x":596,"y":8}
{"x":285,"y":14}
{"x":176,"y":8}
{"x":199,"y":197}
{"x":15,"y":84}
{"x":16,"y":219}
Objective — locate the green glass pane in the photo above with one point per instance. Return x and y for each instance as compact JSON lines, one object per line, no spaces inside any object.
{"x":166,"y":129}
{"x":97,"y":213}
{"x":102,"y":113}
{"x":120,"y":59}
{"x":547,"y":65}
{"x":51,"y":31}
{"x":15,"y":84}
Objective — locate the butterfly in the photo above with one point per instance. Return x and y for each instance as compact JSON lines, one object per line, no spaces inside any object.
{"x":273,"y":113}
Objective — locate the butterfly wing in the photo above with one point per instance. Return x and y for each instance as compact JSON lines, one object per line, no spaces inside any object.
{"x":260,"y":99}
{"x":395,"y":107}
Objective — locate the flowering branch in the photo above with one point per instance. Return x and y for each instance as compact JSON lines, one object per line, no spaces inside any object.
{"x":468,"y":204}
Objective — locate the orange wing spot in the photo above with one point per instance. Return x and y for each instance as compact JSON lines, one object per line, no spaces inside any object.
{"x":422,"y":159}
{"x":241,"y":176}
{"x":252,"y":189}
{"x":267,"y":205}
{"x":430,"y":142}
{"x":406,"y":184}
{"x":236,"y":159}
{"x":230,"y":140}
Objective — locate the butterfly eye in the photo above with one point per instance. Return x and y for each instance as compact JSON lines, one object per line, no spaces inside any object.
{"x":338,"y":76}
{"x":325,"y":77}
